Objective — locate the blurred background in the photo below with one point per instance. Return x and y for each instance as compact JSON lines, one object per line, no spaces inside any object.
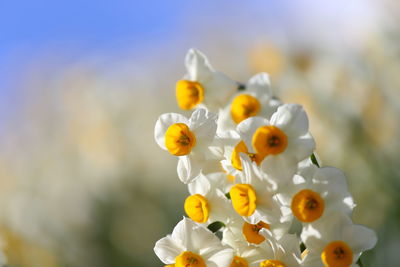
{"x":82,"y":181}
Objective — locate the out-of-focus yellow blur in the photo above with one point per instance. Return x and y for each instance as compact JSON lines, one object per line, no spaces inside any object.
{"x":82,"y":182}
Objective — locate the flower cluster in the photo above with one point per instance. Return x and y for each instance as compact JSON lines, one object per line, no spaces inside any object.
{"x":258,"y":196}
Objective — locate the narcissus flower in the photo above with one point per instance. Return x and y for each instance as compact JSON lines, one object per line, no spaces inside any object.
{"x":207,"y":203}
{"x":285,"y":250}
{"x":190,"y":139}
{"x":240,"y":234}
{"x":256,"y":100}
{"x":254,"y":198}
{"x":309,"y":198}
{"x":191,"y":245}
{"x":202,"y":85}
{"x":335,"y":241}
{"x":284,"y":141}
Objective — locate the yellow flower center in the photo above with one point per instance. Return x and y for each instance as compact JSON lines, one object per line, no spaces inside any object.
{"x":230,"y":178}
{"x":272,"y":263}
{"x":179,"y":140}
{"x":251,"y":232}
{"x":244,"y":199}
{"x":196,"y":207}
{"x":242,"y":148}
{"x":189,"y":94}
{"x":269,"y":140}
{"x":243,"y":107}
{"x":337,"y":254}
{"x":189,"y":259}
{"x":307,"y":205}
{"x":239,"y":262}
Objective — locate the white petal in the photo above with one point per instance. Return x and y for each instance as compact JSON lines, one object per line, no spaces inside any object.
{"x":194,"y":237}
{"x":313,"y":260}
{"x":200,"y":185}
{"x":291,"y":244}
{"x":181,"y":232}
{"x":220,"y":206}
{"x":307,"y":168}
{"x":188,"y":168}
{"x":332,"y":182}
{"x":203,"y":124}
{"x":220,"y":258}
{"x":162,"y":124}
{"x":197,"y":65}
{"x":247,"y":128}
{"x":327,"y":175}
{"x":248,"y":169}
{"x":202,"y":241}
{"x":280,"y":168}
{"x":312,"y":238}
{"x":167,"y":250}
{"x":219,"y":90}
{"x":359,"y":238}
{"x":292,"y":119}
{"x":301,"y":147}
{"x":259,"y":84}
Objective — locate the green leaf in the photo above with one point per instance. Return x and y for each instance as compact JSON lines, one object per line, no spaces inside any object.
{"x":314,"y":160}
{"x":215,"y":226}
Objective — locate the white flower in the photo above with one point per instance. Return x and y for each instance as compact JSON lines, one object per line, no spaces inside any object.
{"x":335,"y":241}
{"x":189,"y":139}
{"x":192,"y":245}
{"x":203,"y":85}
{"x":311,"y":198}
{"x":207,"y":203}
{"x":244,"y":236}
{"x":254,"y":198}
{"x":284,"y":141}
{"x":256,"y":100}
{"x":285,"y":251}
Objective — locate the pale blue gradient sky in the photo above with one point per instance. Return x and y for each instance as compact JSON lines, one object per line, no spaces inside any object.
{"x":30,"y":29}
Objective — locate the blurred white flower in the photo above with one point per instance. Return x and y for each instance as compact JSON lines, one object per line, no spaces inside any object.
{"x":256,"y":100}
{"x":191,"y":245}
{"x":203,"y":85}
{"x":189,"y":139}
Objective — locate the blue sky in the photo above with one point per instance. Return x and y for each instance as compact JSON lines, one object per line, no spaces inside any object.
{"x":28,"y":28}
{"x":32,"y":23}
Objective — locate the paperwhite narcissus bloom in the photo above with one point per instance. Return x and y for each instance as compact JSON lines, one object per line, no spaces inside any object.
{"x":206,"y":202}
{"x":256,"y":100}
{"x":284,"y":140}
{"x":236,"y":235}
{"x":285,"y":251}
{"x":310,"y":198}
{"x":335,"y":241}
{"x":187,"y":138}
{"x":191,"y":245}
{"x":254,"y":198}
{"x":244,"y":236}
{"x":203,"y":85}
